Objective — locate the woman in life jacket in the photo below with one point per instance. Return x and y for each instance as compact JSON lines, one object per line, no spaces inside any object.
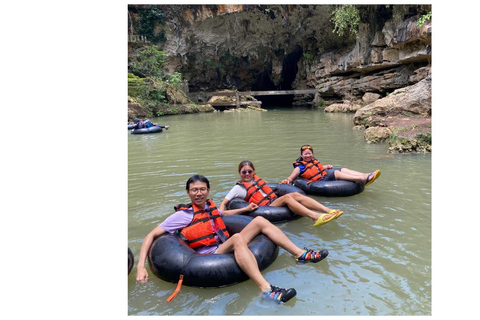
{"x":201,"y":219}
{"x":309,"y":168}
{"x":253,"y":189}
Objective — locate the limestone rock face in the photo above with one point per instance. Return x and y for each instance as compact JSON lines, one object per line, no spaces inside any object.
{"x":412,"y":100}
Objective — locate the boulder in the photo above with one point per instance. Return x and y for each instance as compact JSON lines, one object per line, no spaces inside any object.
{"x":370,"y":97}
{"x":377,"y":134}
{"x":346,"y":106}
{"x":413,"y":100}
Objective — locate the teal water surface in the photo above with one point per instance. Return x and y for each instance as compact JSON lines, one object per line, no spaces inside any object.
{"x":380,"y":249}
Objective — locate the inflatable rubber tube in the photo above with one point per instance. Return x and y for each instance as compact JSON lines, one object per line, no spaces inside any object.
{"x":272,"y":214}
{"x":335,"y":188}
{"x":130,"y":260}
{"x":152,"y":129}
{"x":169,"y":253}
{"x":131,"y":126}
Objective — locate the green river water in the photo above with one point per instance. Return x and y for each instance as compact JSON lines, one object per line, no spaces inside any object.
{"x":380,"y":249}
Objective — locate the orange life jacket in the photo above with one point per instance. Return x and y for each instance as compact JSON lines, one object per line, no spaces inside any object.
{"x":314,"y":170}
{"x":200,"y":231}
{"x":253,"y":191}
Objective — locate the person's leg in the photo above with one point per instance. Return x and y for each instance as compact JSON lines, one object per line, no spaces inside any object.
{"x":262,"y":225}
{"x":309,"y":202}
{"x":245,"y":259}
{"x":350,"y":175}
{"x":298,"y":208}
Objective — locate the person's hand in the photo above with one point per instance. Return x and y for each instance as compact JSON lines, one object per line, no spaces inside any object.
{"x":329,"y":166}
{"x":142,"y":274}
{"x":252,"y":206}
{"x":286,"y":181}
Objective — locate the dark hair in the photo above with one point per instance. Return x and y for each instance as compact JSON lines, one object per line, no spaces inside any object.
{"x":305,"y":147}
{"x":196,"y":178}
{"x":245,"y":163}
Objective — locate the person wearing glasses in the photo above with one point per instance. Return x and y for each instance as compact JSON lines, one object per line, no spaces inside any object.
{"x":309,"y":168}
{"x":253,"y":189}
{"x":186,"y":222}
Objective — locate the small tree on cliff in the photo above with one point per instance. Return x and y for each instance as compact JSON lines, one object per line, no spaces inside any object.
{"x":149,"y":63}
{"x":346,"y":18}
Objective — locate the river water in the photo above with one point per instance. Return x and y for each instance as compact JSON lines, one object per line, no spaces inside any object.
{"x":380,"y":249}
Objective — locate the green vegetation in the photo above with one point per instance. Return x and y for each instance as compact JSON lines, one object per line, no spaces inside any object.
{"x":309,"y":58}
{"x":147,"y":20}
{"x":424,"y":18}
{"x":174,"y":79}
{"x":149,"y":63}
{"x":151,"y":88}
{"x":346,"y":18}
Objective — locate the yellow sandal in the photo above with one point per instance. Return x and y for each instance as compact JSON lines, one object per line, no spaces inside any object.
{"x":320,"y":220}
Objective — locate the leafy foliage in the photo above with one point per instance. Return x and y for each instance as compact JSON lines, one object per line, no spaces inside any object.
{"x":147,"y":19}
{"x":174,"y":79}
{"x":149,"y":63}
{"x":424,"y":18}
{"x":346,"y":18}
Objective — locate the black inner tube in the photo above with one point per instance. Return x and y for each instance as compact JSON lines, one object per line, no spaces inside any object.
{"x":130,"y":260}
{"x":336,"y":188}
{"x":169,"y":254}
{"x":272,"y":214}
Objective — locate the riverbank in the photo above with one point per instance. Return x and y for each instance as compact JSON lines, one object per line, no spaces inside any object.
{"x":138,"y":110}
{"x":402,"y":118}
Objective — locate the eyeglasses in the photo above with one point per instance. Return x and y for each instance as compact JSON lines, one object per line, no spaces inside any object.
{"x":247,"y":171}
{"x":195,"y":190}
{"x":307,"y":146}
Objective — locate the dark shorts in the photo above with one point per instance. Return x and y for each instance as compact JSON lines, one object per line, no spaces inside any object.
{"x":330,"y":175}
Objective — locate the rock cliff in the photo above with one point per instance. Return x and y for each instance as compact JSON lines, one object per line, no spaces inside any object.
{"x":283,"y":47}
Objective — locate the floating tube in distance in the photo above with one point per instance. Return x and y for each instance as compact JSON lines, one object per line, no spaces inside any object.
{"x":169,"y":254}
{"x":335,"y":188}
{"x":153,"y":129}
{"x":272,"y":214}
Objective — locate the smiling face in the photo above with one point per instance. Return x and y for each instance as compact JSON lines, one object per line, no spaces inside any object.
{"x":198,"y":192}
{"x":246,"y":173}
{"x":307,"y":155}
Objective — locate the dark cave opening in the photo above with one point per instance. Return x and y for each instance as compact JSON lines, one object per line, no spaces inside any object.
{"x":289,"y":73}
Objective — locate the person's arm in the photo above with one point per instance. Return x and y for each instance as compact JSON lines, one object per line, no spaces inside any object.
{"x":223,"y":204}
{"x":251,"y":206}
{"x":236,"y":192}
{"x":293,"y":176}
{"x":142,"y":274}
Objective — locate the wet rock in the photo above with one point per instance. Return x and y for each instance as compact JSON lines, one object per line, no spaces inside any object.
{"x":377,"y":134}
{"x":346,"y":106}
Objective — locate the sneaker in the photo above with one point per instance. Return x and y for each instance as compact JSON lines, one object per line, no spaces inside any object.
{"x":279,"y":294}
{"x":312,"y":256}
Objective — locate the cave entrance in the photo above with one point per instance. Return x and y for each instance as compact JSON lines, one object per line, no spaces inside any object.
{"x":289,"y":73}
